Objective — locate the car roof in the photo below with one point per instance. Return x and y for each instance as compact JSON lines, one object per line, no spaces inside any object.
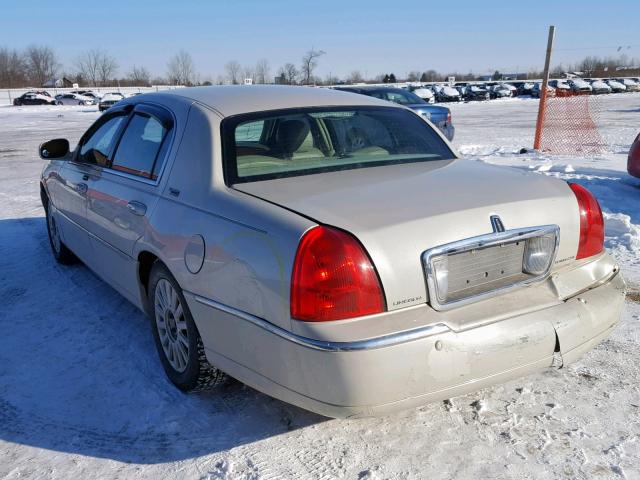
{"x":370,"y":88}
{"x":237,"y":99}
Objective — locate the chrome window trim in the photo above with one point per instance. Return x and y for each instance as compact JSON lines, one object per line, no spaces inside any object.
{"x":484,"y":241}
{"x":328,"y":346}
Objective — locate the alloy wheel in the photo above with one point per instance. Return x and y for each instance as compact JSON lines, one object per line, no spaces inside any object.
{"x":171,"y":325}
{"x":54,"y":234}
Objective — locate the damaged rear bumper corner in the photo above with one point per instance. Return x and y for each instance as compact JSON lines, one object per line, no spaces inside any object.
{"x":592,"y":316}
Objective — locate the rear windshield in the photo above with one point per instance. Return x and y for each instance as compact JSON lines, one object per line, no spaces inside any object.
{"x":303,"y":141}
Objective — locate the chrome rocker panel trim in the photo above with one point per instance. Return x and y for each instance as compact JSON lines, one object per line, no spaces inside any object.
{"x":325,"y":346}
{"x":484,"y":241}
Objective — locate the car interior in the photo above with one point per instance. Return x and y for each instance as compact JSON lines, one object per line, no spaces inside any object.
{"x":302,"y":141}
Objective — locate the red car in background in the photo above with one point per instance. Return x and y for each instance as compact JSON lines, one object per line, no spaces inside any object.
{"x":633,"y":161}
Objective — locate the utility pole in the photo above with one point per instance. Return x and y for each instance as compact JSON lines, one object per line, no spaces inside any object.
{"x":543,"y":91}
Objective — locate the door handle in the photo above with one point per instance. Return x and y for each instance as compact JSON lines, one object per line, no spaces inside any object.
{"x":81,"y":188}
{"x":137,"y":208}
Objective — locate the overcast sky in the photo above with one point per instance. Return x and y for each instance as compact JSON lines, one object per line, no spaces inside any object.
{"x":370,"y":36}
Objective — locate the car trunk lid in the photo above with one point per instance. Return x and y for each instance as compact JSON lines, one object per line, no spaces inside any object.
{"x":400,"y":211}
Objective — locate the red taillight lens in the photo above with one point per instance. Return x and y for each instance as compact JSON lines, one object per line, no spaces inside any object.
{"x":449,"y":117}
{"x":633,"y":160}
{"x":591,"y":223}
{"x":333,"y":278}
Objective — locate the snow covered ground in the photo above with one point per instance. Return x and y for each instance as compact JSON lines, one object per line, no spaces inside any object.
{"x":83,"y":395}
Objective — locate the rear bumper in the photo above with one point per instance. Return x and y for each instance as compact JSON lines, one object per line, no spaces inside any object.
{"x":393,"y":372}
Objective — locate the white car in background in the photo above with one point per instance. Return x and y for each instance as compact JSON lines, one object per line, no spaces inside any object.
{"x":616,"y":86}
{"x":578,"y":85}
{"x":424,"y":93}
{"x":501,"y":90}
{"x":561,"y":87}
{"x":74,"y":99}
{"x":632,"y":85}
{"x":599,"y":86}
{"x":445,"y":93}
{"x":87,"y":93}
{"x":513,"y":89}
{"x":108,"y":100}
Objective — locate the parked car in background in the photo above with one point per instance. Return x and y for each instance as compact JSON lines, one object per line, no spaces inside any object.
{"x":438,"y":115}
{"x":476,"y":92}
{"x":561,"y":87}
{"x":599,"y":87}
{"x":526,"y":88}
{"x":362,"y":277}
{"x":501,"y":90}
{"x":108,"y":100}
{"x":87,"y":93}
{"x":579,"y":86}
{"x":445,"y":93}
{"x":514,"y":90}
{"x":34,"y":98}
{"x":632,"y":85}
{"x":633,"y":160}
{"x":74,"y":99}
{"x":423,"y":92}
{"x":537,"y":87}
{"x":616,"y":86}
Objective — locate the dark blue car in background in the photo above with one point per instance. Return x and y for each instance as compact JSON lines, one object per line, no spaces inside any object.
{"x":439,"y":116}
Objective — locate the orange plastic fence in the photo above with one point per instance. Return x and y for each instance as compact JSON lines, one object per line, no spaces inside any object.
{"x":570,"y":125}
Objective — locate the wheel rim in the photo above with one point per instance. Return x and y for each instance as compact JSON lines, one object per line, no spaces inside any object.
{"x":53,"y":233}
{"x":171,"y":325}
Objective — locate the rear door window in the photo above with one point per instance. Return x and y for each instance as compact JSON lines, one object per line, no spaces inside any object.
{"x":142,"y":149}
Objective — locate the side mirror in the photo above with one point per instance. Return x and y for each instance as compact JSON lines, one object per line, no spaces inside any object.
{"x":54,"y":149}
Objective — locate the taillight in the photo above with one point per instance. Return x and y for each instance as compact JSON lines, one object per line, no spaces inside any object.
{"x":633,"y":160}
{"x":449,"y":117}
{"x":591,"y":223}
{"x":333,"y":278}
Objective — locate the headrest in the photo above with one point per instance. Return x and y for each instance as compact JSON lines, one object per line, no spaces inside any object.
{"x":291,"y":134}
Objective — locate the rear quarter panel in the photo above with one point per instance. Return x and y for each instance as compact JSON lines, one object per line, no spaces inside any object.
{"x":250,"y":244}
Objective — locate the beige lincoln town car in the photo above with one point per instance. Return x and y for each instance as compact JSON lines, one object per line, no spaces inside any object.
{"x":329,"y":249}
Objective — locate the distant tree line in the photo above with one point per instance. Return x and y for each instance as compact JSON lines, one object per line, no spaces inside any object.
{"x":38,"y":64}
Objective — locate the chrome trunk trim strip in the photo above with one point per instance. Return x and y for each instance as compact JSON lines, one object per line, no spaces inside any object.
{"x":484,"y":241}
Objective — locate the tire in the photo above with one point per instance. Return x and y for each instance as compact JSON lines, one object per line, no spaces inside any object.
{"x":176,"y":336}
{"x":60,"y":251}
{"x":80,"y":102}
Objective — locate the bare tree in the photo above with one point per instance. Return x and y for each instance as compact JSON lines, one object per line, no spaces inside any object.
{"x":107,"y":68}
{"x":355,"y":77}
{"x":262,"y":71}
{"x":159,"y":81}
{"x":248,"y":73}
{"x":139,"y":75}
{"x":309,"y":64}
{"x":41,"y":64}
{"x":88,"y":65}
{"x":413,"y":76}
{"x":13,"y":71}
{"x":233,"y":72}
{"x":289,"y":73}
{"x":430,"y":76}
{"x":181,"y":70}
